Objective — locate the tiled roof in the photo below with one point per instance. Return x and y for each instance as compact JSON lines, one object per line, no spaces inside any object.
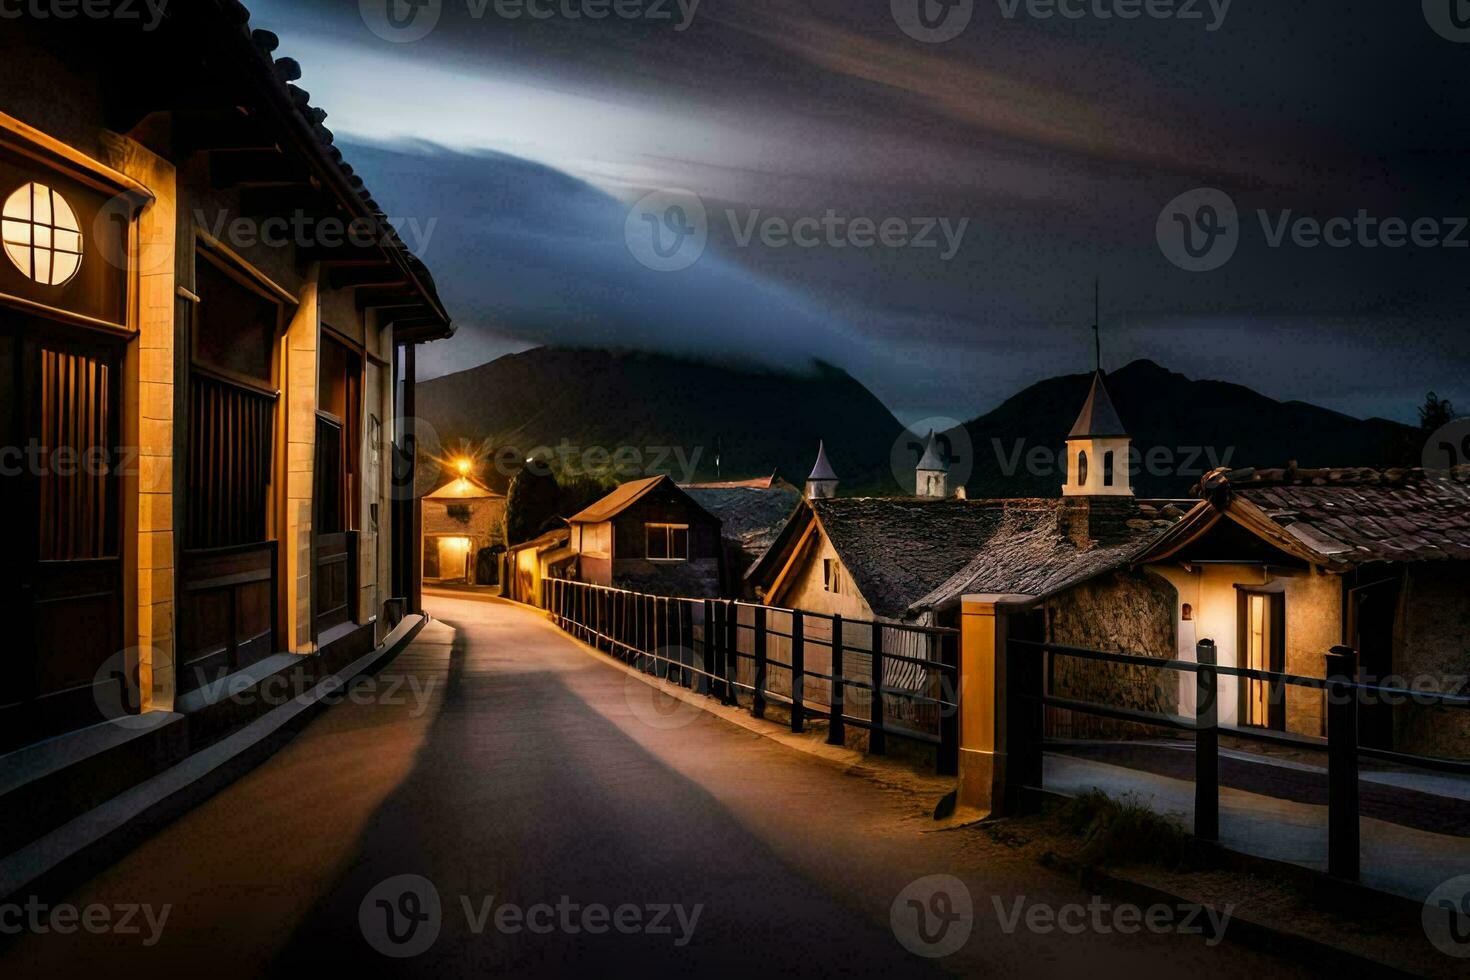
{"x":294,"y":104}
{"x":1363,"y":515}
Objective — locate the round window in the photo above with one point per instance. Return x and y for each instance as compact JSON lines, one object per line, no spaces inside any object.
{"x":41,"y":235}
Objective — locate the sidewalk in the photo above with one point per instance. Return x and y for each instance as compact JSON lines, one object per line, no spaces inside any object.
{"x":1400,"y":860}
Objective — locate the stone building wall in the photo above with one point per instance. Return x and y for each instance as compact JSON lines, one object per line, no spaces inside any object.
{"x":1123,"y":612}
{"x":1432,"y":651}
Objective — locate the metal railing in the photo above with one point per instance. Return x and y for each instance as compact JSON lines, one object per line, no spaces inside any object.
{"x":817,"y":665}
{"x":1029,"y":663}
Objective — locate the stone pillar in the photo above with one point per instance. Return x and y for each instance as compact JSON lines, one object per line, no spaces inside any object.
{"x":300,"y":395}
{"x":983,"y":630}
{"x":149,"y":399}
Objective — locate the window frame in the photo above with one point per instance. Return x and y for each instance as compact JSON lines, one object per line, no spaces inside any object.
{"x":670,"y":529}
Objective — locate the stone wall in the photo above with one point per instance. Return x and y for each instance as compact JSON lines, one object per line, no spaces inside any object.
{"x":1123,"y":612}
{"x":1432,"y":651}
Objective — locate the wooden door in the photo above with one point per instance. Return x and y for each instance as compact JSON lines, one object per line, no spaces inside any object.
{"x":61,"y":583}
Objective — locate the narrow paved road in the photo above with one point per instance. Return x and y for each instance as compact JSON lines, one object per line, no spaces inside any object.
{"x":562,"y":829}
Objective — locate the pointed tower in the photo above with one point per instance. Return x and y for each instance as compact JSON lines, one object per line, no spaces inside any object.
{"x":823,"y":481}
{"x":931,"y":476}
{"x":1097,"y":448}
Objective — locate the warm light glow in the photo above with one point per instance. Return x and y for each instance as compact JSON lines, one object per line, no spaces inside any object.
{"x":463,"y":465}
{"x":41,"y":235}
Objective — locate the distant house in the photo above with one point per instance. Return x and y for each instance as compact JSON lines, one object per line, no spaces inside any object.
{"x":650,"y":536}
{"x":751,"y":513}
{"x":460,"y":519}
{"x":1278,"y":566}
{"x":530,"y":564}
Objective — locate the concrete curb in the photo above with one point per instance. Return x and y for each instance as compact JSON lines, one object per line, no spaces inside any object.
{"x":57,"y":862}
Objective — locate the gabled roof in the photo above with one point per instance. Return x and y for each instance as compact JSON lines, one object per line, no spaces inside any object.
{"x":933,"y":459}
{"x":1028,"y":555}
{"x":618,"y":501}
{"x":1098,"y":418}
{"x":896,"y":549}
{"x":1335,"y":518}
{"x":629,"y":494}
{"x":463,"y":488}
{"x":772,"y":482}
{"x":822,"y":470}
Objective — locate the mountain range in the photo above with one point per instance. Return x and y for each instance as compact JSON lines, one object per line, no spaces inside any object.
{"x":633,"y":413}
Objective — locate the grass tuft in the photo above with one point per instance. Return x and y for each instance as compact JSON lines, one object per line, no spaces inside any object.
{"x":1124,"y":831}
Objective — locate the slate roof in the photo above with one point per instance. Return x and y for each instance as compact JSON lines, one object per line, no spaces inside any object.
{"x":1362,"y":515}
{"x":898,"y":549}
{"x":751,"y":516}
{"x":1098,"y":418}
{"x":1028,"y":555}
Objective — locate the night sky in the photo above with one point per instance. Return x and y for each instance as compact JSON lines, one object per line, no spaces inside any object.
{"x":517,"y":147}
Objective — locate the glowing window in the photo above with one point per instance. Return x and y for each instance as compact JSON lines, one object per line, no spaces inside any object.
{"x":41,"y":235}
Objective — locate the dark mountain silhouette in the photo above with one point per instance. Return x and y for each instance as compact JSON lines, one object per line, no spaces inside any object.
{"x":1189,"y":426}
{"x":663,"y":412}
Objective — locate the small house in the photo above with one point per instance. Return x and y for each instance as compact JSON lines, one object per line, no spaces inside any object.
{"x":650,"y":536}
{"x":462,"y":521}
{"x":528,"y":565}
{"x":1278,"y":566}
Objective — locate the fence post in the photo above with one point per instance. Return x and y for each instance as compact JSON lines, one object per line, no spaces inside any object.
{"x":1342,"y":764}
{"x":1024,"y":673}
{"x":836,"y":731}
{"x":877,"y":738}
{"x":758,"y":704}
{"x":947,"y":761}
{"x":732,"y":653}
{"x":698,"y":681}
{"x":1206,"y":743}
{"x":798,"y":671}
{"x":710,"y":660}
